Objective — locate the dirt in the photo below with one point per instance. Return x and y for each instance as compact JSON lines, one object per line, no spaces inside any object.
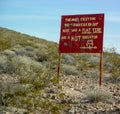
{"x":77,"y":88}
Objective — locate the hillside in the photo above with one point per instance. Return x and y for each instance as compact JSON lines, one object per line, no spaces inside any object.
{"x":28,"y":78}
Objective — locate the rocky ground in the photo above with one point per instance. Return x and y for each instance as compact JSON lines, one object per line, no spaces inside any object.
{"x":85,"y":96}
{"x":79,"y":93}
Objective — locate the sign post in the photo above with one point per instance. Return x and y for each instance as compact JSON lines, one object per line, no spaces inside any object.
{"x":100,"y":80}
{"x":82,"y":34}
{"x":59,"y":66}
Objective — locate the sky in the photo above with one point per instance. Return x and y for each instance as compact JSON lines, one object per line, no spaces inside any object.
{"x":42,"y":18}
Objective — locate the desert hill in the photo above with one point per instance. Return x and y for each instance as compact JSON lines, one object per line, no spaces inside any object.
{"x":28,"y":78}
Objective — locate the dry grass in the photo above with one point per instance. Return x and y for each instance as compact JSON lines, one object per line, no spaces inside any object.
{"x":98,"y":94}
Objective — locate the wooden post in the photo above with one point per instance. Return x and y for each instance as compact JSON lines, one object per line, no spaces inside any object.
{"x":100,"y":80}
{"x":59,"y":64}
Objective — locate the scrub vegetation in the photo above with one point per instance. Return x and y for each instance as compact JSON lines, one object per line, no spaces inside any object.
{"x":28,"y":75}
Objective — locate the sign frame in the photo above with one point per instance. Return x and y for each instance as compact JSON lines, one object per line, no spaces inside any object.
{"x":75,"y":29}
{"x":81,"y":33}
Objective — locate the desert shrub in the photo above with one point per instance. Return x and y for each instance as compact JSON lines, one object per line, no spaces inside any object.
{"x":5,"y":43}
{"x":24,"y":65}
{"x":112,"y":65}
{"x":29,"y":95}
{"x":41,"y":57}
{"x":82,"y":65}
{"x":19,"y":65}
{"x":67,"y":59}
{"x":29,"y":48}
{"x":1,"y":95}
{"x":21,"y":52}
{"x":32,"y":75}
{"x":6,"y":66}
{"x":69,"y":70}
{"x":9,"y":53}
{"x":41,"y":45}
{"x":114,"y":77}
{"x":9,"y":92}
{"x":20,"y":92}
{"x":98,"y":94}
{"x":3,"y":60}
{"x":27,"y":51}
{"x":30,"y":52}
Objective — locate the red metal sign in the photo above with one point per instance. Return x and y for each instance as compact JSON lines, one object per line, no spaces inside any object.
{"x":81,"y":33}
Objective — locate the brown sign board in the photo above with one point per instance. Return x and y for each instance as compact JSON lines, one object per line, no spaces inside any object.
{"x":81,"y":33}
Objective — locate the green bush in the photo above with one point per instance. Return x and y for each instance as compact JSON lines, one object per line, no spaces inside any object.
{"x":112,"y":65}
{"x":6,"y":67}
{"x":69,"y":70}
{"x":68,"y":59}
{"x":33,"y":63}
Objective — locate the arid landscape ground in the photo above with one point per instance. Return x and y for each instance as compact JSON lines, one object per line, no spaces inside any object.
{"x":29,"y":85}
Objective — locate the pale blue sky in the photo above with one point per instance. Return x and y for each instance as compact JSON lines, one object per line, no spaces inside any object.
{"x":42,"y":18}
